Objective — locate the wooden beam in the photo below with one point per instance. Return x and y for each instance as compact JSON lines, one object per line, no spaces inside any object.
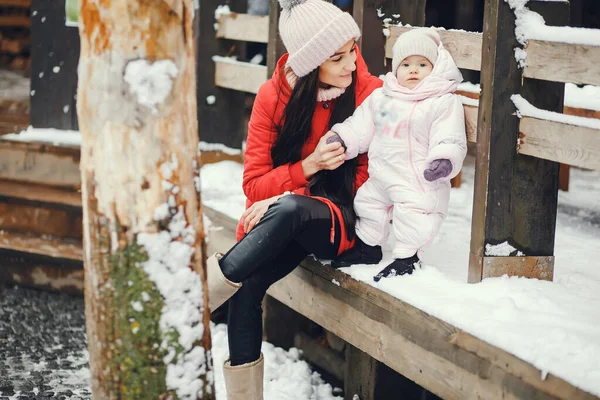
{"x":471,"y":123}
{"x":15,"y":3}
{"x":39,"y":193}
{"x":244,"y":27}
{"x":417,"y":345}
{"x":15,"y":20}
{"x":563,"y":62}
{"x":244,"y":77}
{"x":29,"y":217}
{"x":465,"y":47}
{"x":515,"y":197}
{"x":527,"y":267}
{"x":40,"y":272}
{"x":42,"y":246}
{"x":438,"y":356}
{"x":360,"y":375}
{"x":40,"y":163}
{"x":319,"y":355}
{"x":549,"y":140}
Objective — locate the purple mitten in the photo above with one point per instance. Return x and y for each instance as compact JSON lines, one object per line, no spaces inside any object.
{"x":438,"y":169}
{"x":335,"y":138}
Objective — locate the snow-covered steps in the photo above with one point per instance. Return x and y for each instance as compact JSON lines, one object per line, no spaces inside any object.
{"x":40,"y":216}
{"x":41,"y":262}
{"x":40,"y":163}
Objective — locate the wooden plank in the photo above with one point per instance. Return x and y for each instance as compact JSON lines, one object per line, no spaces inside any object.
{"x":563,"y":62}
{"x":45,"y":273}
{"x":55,"y":54}
{"x":15,"y":20}
{"x":372,"y":42}
{"x":563,"y":177}
{"x":413,"y":343}
{"x":436,"y":355}
{"x":528,"y":267}
{"x":40,"y":163}
{"x":39,"y":193}
{"x":574,"y":145}
{"x":32,"y":218}
{"x":221,"y":121}
{"x":244,"y":27}
{"x":42,"y":246}
{"x":465,"y":47}
{"x":15,"y":3}
{"x":471,"y":123}
{"x":240,"y":76}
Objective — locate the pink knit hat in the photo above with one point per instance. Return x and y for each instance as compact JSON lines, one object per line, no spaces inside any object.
{"x":312,"y":31}
{"x":416,"y":42}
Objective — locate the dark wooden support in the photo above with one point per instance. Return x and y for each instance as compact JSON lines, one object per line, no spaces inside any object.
{"x":361,"y":371}
{"x":223,"y":121}
{"x":275,"y":47}
{"x":372,"y":42}
{"x":515,"y":198}
{"x":54,"y":59}
{"x":281,"y":324}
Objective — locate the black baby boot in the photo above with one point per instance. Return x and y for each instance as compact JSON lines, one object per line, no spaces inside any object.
{"x":400,"y":266}
{"x":361,"y":253}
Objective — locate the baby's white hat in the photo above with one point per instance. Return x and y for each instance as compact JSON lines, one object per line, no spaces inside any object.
{"x":416,"y":42}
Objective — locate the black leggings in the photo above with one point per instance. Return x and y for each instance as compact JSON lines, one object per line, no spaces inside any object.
{"x":292,"y":228}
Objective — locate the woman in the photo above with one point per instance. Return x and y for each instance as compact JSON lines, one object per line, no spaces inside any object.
{"x":300,"y":191}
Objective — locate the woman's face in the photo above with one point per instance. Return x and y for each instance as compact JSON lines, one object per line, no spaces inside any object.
{"x":337,"y":70}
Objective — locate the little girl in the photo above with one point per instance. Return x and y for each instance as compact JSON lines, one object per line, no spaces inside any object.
{"x":414,"y":131}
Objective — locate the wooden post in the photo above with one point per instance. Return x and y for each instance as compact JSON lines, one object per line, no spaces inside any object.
{"x":54,"y":56}
{"x":147,"y":318}
{"x":515,"y":196}
{"x":360,"y":376}
{"x":275,"y":48}
{"x":222,"y":117}
{"x":372,"y":42}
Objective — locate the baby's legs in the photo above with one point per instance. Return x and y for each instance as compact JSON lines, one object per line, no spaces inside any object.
{"x":372,"y":206}
{"x":417,"y":219}
{"x":413,"y":229}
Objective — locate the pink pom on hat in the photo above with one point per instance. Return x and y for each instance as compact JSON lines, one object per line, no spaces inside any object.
{"x":416,"y":42}
{"x":312,"y":31}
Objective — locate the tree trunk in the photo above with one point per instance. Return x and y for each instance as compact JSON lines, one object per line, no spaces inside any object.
{"x":147,"y":318}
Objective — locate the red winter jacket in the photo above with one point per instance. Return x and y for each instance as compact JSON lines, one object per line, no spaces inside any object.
{"x":261,"y":181}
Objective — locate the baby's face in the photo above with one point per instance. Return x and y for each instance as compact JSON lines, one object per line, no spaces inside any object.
{"x":412,"y":70}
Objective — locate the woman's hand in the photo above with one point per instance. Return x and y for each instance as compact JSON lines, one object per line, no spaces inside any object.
{"x":255,"y":212}
{"x":326,"y":156}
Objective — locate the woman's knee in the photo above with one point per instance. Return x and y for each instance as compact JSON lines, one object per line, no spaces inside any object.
{"x":252,"y":291}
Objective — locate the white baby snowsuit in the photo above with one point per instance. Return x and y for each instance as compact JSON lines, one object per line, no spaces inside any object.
{"x":404,"y":130}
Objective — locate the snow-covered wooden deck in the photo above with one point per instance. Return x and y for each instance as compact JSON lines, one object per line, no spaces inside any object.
{"x":433,"y":353}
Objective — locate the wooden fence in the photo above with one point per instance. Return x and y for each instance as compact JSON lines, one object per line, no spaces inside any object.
{"x":515,"y":196}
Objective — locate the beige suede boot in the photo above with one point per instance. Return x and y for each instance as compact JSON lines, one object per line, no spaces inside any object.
{"x":220,"y":289}
{"x":244,"y":382}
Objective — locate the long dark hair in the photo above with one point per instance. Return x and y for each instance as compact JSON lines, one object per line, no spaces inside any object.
{"x":294,"y":130}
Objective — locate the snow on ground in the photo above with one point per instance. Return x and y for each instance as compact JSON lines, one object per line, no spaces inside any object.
{"x":552,"y":325}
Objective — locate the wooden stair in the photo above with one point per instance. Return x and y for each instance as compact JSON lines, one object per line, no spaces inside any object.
{"x":40,"y":216}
